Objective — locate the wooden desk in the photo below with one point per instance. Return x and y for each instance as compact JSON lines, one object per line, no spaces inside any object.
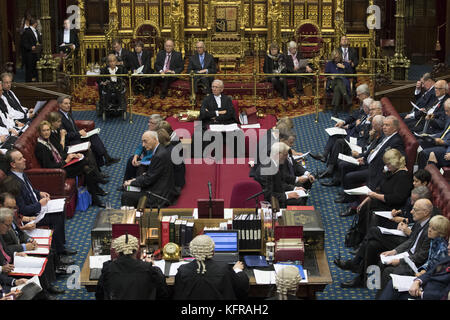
{"x":315,"y":262}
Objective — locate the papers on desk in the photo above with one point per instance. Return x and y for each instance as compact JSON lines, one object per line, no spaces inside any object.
{"x":43,"y":241}
{"x":264,"y":277}
{"x":360,"y":191}
{"x":91,"y":133}
{"x":251,"y":126}
{"x":384,"y":214}
{"x":301,"y":193}
{"x":96,"y":262}
{"x":388,"y":259}
{"x":161,"y":264}
{"x":40,"y":250}
{"x":223,"y":127}
{"x":336,"y":131}
{"x":402,"y":283}
{"x":393,"y":232}
{"x":348,"y":159}
{"x":39,"y":233}
{"x":79,"y":147}
{"x":353,"y":146}
{"x":28,"y":266}
{"x":139,"y":70}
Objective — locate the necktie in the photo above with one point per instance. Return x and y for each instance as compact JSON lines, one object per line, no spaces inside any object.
{"x":7,"y":258}
{"x":29,"y":188}
{"x":346,"y":54}
{"x":201,"y":60}
{"x":445,"y":132}
{"x":167,"y":64}
{"x":69,"y":117}
{"x":140,"y":59}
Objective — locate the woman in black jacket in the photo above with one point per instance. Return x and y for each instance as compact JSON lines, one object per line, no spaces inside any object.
{"x":53,"y":156}
{"x":275,"y":62}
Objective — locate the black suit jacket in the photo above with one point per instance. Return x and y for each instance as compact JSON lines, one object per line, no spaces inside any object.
{"x":420,"y":255}
{"x":73,"y":39}
{"x":176,"y":61}
{"x":436,"y":282}
{"x":352,"y":56}
{"x":436,"y":124}
{"x":13,"y":240}
{"x":145,"y":59}
{"x":377,"y":164}
{"x":73,"y":136}
{"x":27,"y":204}
{"x":425,"y":99}
{"x":209,"y":108}
{"x":29,"y":40}
{"x":208,"y":63}
{"x":159,"y":177}
{"x":273,"y":184}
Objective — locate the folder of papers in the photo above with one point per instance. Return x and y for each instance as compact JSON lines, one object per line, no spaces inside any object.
{"x":393,"y":232}
{"x":28,"y":266}
{"x":384,"y":214}
{"x":387,"y":259}
{"x":348,"y":159}
{"x":91,"y":133}
{"x":336,"y":131}
{"x":360,"y":191}
{"x":79,"y":147}
{"x":402,"y":283}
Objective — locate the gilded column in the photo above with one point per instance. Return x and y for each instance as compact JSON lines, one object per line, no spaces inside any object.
{"x":113,"y":25}
{"x":177,"y":24}
{"x":339,"y":22}
{"x":81,"y":35}
{"x":274,"y":21}
{"x":46,"y":61}
{"x":399,"y":63}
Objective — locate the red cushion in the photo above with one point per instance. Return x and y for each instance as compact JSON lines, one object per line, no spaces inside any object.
{"x":242,"y":191}
{"x":440,"y":190}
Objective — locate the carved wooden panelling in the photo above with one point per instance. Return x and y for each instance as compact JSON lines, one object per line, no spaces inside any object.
{"x":327,"y":16}
{"x":125,"y":15}
{"x":313,"y":12}
{"x":299,"y":14}
{"x":193,"y":15}
{"x":260,"y":15}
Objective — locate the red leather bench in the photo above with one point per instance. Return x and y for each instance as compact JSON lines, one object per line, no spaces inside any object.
{"x":410,"y":142}
{"x":53,"y":181}
{"x":440,"y":189}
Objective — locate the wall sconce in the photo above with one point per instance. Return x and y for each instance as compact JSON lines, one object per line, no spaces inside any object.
{"x":438,"y":45}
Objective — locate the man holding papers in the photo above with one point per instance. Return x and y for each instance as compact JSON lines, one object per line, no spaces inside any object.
{"x":140,"y":63}
{"x":30,"y":203}
{"x":424,"y":95}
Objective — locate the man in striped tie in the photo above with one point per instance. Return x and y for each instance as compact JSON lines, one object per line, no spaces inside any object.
{"x":437,"y":147}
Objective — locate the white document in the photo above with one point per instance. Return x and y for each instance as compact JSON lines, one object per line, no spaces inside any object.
{"x":394,"y":232}
{"x":96,"y":262}
{"x":174,"y":267}
{"x":353,"y":140}
{"x":360,"y":191}
{"x":161,"y":264}
{"x":337,"y":119}
{"x":39,"y":233}
{"x":251,"y":126}
{"x":228,"y":213}
{"x":388,"y":259}
{"x":35,"y":279}
{"x":301,"y":193}
{"x":353,"y":146}
{"x":411,"y":264}
{"x":38,"y":106}
{"x":38,"y":250}
{"x":28,"y":265}
{"x":79,"y":147}
{"x":43,"y":242}
{"x":139,"y":70}
{"x":224,"y":127}
{"x":384,"y":214}
{"x":264,"y":277}
{"x":302,"y":156}
{"x":402,"y":283}
{"x":349,"y":159}
{"x":414,"y":105}
{"x":336,"y":131}
{"x":133,"y":189}
{"x":56,"y":205}
{"x":91,"y":133}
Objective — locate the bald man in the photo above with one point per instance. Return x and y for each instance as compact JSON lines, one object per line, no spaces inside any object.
{"x":202,"y":63}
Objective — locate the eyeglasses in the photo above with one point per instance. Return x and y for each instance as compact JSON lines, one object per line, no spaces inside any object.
{"x":439,"y":88}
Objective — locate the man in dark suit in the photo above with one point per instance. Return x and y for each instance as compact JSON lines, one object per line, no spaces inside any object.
{"x":67,"y":39}
{"x":123,"y":55}
{"x":158,"y":179}
{"x":431,"y":119}
{"x":138,"y":58}
{"x":31,"y":43}
{"x":438,"y":144}
{"x":217,"y":108}
{"x":168,"y":61}
{"x":74,"y":135}
{"x":30,"y":202}
{"x":202,"y":63}
{"x":296,"y":64}
{"x":432,"y":285}
{"x":424,"y":95}
{"x":349,"y":55}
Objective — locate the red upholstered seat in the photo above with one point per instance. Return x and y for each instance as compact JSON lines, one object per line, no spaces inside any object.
{"x":52,"y":181}
{"x":410,"y":142}
{"x":242,"y":191}
{"x":440,"y":190}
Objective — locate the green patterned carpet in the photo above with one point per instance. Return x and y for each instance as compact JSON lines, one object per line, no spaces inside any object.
{"x":121,"y":138}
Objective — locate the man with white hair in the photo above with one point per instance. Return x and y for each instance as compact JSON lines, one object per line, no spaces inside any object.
{"x":129,"y":278}
{"x":207,"y":279}
{"x":157,"y":180}
{"x":217,"y":108}
{"x":202,"y":62}
{"x":272,"y":179}
{"x":296,"y":64}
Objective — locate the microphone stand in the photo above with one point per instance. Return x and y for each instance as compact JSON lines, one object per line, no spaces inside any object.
{"x":210,"y":200}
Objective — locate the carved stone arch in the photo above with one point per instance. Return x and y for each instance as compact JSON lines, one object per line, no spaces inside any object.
{"x":149,"y":34}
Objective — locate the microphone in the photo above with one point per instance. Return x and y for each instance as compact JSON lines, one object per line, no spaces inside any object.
{"x":158,"y":196}
{"x":210,"y":191}
{"x":255,"y":195}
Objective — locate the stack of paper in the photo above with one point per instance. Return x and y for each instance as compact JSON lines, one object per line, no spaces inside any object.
{"x":79,"y":147}
{"x":387,"y":259}
{"x":223,"y":127}
{"x":264,"y":277}
{"x":251,"y":126}
{"x":96,"y":262}
{"x":39,"y":233}
{"x":353,"y":145}
{"x":336,"y":131}
{"x":348,"y":159}
{"x":28,"y":266}
{"x":360,"y":191}
{"x":384,"y":214}
{"x":174,"y":267}
{"x":402,"y":283}
{"x":394,"y":232}
{"x":91,"y":133}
